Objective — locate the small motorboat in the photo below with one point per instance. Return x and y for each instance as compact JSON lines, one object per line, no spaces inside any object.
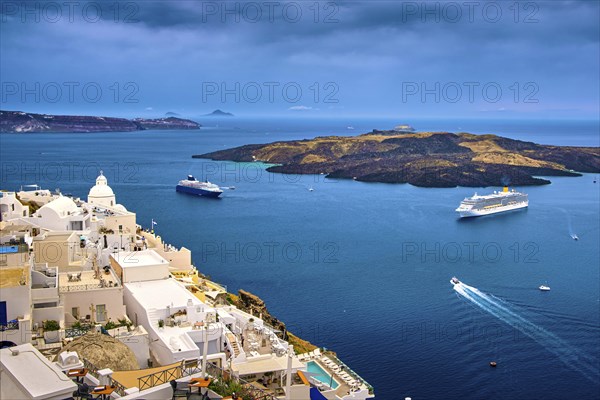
{"x":493,"y":364}
{"x":574,"y":236}
{"x":310,"y":189}
{"x":544,"y":288}
{"x":454,"y":280}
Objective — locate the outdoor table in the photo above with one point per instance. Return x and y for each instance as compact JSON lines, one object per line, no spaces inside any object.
{"x":103,"y":392}
{"x":77,"y":373}
{"x":199,"y":383}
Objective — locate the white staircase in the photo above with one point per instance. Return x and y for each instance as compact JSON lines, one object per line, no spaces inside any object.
{"x":234,"y":344}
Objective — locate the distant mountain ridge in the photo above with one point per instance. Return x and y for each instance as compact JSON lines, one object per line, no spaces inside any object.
{"x":22,"y":122}
{"x":219,"y":113}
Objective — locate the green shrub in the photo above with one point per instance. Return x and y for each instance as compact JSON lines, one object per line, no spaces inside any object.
{"x":51,"y":325}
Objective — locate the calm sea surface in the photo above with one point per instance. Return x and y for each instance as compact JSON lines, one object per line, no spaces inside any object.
{"x":364,"y":268}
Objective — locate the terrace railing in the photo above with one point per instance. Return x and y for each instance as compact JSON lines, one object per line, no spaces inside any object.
{"x":350,"y":372}
{"x":120,"y":389}
{"x":160,"y":377}
{"x":191,"y":367}
{"x":80,"y":288}
{"x":92,"y":369}
{"x":10,"y":326}
{"x":76,"y":332}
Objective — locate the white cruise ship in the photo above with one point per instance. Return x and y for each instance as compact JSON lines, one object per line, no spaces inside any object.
{"x":496,"y":202}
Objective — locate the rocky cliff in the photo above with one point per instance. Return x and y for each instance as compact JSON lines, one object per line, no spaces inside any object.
{"x":254,"y":305}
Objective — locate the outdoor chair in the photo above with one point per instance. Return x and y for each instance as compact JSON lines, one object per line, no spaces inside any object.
{"x":178,"y":391}
{"x":83,"y":391}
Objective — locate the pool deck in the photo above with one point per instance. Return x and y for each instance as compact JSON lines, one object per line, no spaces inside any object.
{"x":343,"y":388}
{"x":328,"y":372}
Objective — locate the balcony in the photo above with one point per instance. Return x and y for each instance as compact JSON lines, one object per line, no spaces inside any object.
{"x":44,"y":283}
{"x":87,"y":280}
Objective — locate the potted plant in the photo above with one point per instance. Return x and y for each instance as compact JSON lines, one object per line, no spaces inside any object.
{"x":110,"y":325}
{"x":161,"y":323}
{"x":125,"y":322}
{"x":52,"y":331}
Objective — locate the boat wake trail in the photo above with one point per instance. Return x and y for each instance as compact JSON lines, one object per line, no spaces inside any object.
{"x":569,"y":222}
{"x":572,"y":357}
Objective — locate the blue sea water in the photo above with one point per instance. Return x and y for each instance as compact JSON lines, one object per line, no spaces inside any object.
{"x":364,"y":268}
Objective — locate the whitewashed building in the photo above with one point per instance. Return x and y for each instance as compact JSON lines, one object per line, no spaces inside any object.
{"x":27,"y":374}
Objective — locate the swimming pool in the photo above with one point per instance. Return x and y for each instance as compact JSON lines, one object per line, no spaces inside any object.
{"x":320,"y":374}
{"x":9,"y":249}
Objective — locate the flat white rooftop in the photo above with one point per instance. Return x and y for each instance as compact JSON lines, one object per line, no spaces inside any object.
{"x":32,"y":374}
{"x":136,"y":259}
{"x":162,"y":293}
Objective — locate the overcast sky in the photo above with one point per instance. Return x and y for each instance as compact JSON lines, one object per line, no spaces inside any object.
{"x":388,"y":58}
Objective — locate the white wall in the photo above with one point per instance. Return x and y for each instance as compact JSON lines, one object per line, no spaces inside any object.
{"x":137,"y":340}
{"x":111,"y":297}
{"x":48,"y":218}
{"x":145,"y":273}
{"x":11,"y":208}
{"x":18,"y":301}
{"x":49,"y":313}
{"x":9,"y":390}
{"x":127,"y":221}
{"x":161,"y":350}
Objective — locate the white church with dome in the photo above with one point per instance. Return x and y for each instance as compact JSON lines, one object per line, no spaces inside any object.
{"x":100,"y":212}
{"x":101,"y":194}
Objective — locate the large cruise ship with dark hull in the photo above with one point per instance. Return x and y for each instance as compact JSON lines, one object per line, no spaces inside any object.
{"x":497,"y":202}
{"x":195,"y":187}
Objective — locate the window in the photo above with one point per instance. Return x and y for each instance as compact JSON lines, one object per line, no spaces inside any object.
{"x":75,"y":312}
{"x":101,"y":313}
{"x":76,"y":225}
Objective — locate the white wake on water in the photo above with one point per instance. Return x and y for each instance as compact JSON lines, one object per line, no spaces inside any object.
{"x":572,"y":357}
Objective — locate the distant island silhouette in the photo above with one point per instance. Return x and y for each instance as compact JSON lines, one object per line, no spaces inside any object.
{"x":23,"y":122}
{"x":219,"y":113}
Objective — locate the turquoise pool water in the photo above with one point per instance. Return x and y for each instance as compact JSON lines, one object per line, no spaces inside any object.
{"x":320,"y":374}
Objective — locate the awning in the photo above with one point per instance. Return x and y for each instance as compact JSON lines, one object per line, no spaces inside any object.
{"x":260,"y":366}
